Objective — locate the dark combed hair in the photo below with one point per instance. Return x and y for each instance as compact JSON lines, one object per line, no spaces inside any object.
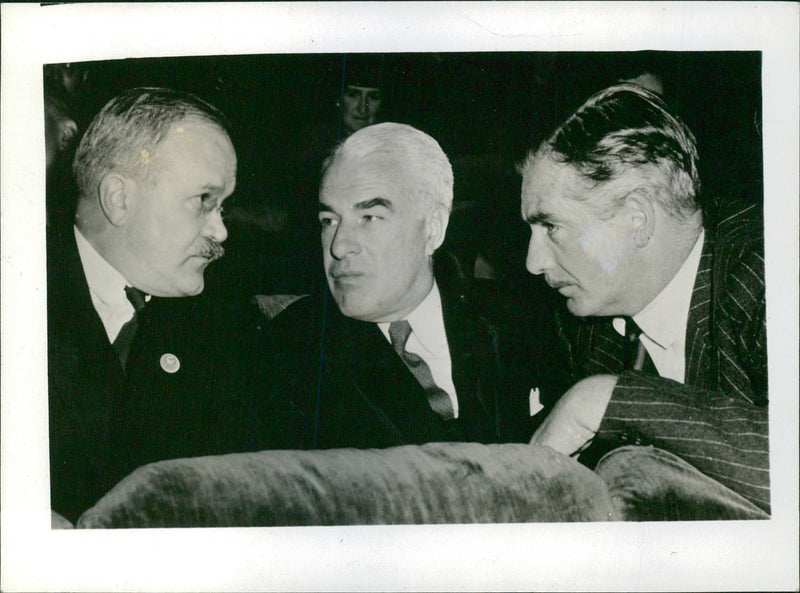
{"x":627,"y":126}
{"x":133,"y":124}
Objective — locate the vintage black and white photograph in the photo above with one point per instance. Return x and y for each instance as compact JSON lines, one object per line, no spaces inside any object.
{"x":398,"y":290}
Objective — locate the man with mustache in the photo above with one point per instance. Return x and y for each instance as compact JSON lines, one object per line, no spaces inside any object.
{"x":668,"y":336}
{"x":409,"y":351}
{"x":137,"y":372}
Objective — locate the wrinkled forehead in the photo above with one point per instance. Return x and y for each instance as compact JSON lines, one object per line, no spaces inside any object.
{"x":548,"y":185}
{"x":546,"y":178}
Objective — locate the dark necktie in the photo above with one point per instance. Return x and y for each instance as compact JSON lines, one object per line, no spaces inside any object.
{"x":437,"y":397}
{"x":635,"y":354}
{"x":122,"y":343}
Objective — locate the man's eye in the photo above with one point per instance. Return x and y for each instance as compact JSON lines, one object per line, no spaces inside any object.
{"x":326,"y":221}
{"x":550,"y":227}
{"x":208,"y":203}
{"x":370,"y":218}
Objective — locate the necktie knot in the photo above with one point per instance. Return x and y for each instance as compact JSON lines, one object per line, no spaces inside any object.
{"x":632,"y":330}
{"x":124,"y":339}
{"x":635,"y":353}
{"x":136,"y":297}
{"x":399,"y":331}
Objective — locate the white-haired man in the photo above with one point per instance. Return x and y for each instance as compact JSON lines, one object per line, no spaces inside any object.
{"x":409,"y":353}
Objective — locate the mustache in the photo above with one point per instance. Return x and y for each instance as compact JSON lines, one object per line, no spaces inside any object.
{"x":211,"y":249}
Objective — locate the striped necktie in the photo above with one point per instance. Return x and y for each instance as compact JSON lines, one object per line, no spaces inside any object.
{"x":399,"y":331}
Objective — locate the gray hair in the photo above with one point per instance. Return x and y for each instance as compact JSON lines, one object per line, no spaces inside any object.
{"x":431,"y":179}
{"x":130,"y":124}
{"x":625,"y":127}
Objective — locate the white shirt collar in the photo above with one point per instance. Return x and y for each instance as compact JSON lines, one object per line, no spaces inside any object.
{"x":429,"y":340}
{"x":106,"y":286}
{"x":104,"y":280}
{"x":427,"y":323}
{"x":664,"y":318}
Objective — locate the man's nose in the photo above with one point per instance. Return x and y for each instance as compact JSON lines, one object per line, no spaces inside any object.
{"x":215,"y":229}
{"x":539,"y":257}
{"x":344,"y":242}
{"x":363,"y":103}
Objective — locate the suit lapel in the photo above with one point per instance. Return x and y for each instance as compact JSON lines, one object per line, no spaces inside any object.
{"x":81,"y":332}
{"x":698,"y":355}
{"x":604,"y":345}
{"x":473,"y":344}
{"x":385,"y":391}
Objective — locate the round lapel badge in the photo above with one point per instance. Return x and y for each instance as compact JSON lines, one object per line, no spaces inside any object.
{"x":170,"y":363}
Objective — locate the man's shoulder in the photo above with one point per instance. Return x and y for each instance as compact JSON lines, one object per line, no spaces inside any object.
{"x":68,"y":298}
{"x":738,"y":252}
{"x":740,"y":235}
{"x":284,"y":306}
{"x":294,"y":320}
{"x":61,"y":249}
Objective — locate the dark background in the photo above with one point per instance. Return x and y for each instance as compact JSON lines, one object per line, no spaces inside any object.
{"x":485,"y":109}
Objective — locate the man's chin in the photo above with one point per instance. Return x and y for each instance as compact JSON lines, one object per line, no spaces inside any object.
{"x":350,"y":307}
{"x":577,"y":307}
{"x":190,"y":289}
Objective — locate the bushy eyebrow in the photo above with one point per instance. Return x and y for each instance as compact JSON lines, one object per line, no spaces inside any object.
{"x":374,"y":203}
{"x":207,"y":188}
{"x":365,"y":205}
{"x":539,"y":218}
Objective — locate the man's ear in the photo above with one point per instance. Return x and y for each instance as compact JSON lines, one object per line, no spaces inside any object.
{"x":643,"y":216}
{"x":437,"y":227}
{"x":116,"y":197}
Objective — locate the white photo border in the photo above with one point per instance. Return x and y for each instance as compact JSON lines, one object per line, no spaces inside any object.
{"x":634,"y":556}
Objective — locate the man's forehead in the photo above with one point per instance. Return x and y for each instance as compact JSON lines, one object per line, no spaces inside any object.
{"x":547,"y":179}
{"x":551,"y":190}
{"x":356,"y":180}
{"x":546,"y":173}
{"x":378,"y":167}
{"x":198,"y":149}
{"x":191,"y":127}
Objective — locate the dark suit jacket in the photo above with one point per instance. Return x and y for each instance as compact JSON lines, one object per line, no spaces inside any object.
{"x":717,"y":419}
{"x":344,"y":385}
{"x":105,"y":422}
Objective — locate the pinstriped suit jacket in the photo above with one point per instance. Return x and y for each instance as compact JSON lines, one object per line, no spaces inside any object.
{"x":717,"y":419}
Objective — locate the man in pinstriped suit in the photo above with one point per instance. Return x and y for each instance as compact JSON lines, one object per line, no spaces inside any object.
{"x":611,"y":200}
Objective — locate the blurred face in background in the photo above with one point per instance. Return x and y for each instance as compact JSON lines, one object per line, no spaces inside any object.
{"x":60,"y":131}
{"x":360,"y":107}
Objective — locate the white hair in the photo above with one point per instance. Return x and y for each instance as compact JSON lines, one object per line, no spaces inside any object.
{"x":431,"y":175}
